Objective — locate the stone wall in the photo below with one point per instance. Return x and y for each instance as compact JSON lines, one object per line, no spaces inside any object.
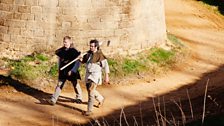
{"x":40,"y":25}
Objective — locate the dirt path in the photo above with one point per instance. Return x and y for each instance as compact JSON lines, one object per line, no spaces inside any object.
{"x":201,"y":30}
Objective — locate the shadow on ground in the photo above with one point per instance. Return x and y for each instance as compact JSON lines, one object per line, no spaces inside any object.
{"x":26,"y":89}
{"x":36,"y":93}
{"x":177,"y":107}
{"x":41,"y":96}
{"x":173,"y":108}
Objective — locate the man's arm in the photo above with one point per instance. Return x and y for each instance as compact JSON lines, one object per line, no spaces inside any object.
{"x":76,"y":66}
{"x":106,"y":68}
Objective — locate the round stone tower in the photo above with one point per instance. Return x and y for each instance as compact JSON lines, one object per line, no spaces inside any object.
{"x":126,"y":26}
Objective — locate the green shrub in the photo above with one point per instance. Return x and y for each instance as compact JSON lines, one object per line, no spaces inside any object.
{"x":41,"y":57}
{"x":131,"y":66}
{"x":20,"y":69}
{"x":54,"y":70}
{"x":28,"y":58}
{"x":30,"y":67}
{"x":161,"y":56}
{"x":114,"y":67}
{"x":175,"y":40}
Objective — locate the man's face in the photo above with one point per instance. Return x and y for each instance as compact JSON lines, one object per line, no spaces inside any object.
{"x":67,"y":43}
{"x":93,"y":47}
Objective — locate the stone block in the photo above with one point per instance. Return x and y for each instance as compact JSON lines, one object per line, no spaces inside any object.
{"x":100,"y":12}
{"x":38,"y":32}
{"x":17,"y":15}
{"x":17,"y":39}
{"x":74,"y":32}
{"x":38,"y":17}
{"x":24,"y":9}
{"x":4,"y":7}
{"x":98,"y":3}
{"x":20,"y":2}
{"x":27,"y":32}
{"x":14,"y":31}
{"x":2,"y":22}
{"x":36,"y":9}
{"x":93,"y":19}
{"x":25,"y":16}
{"x":18,"y":24}
{"x":68,"y":3}
{"x":51,"y":10}
{"x":114,"y":41}
{"x":13,"y":8}
{"x":6,"y":37}
{"x":39,"y":40}
{"x":48,"y":3}
{"x":94,"y":33}
{"x":69,"y":11}
{"x":66,"y":24}
{"x":75,"y":25}
{"x":49,"y":25}
{"x":1,"y":37}
{"x":69,"y":18}
{"x":85,"y":26}
{"x":7,"y":1}
{"x":124,"y":24}
{"x":33,"y":24}
{"x":84,"y":3}
{"x":31,"y":2}
{"x":3,"y":29}
{"x":111,"y":25}
{"x":108,"y":33}
{"x":3,"y":14}
{"x":49,"y":32}
{"x":9,"y":16}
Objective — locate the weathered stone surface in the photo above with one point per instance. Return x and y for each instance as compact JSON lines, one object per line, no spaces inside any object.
{"x":24,"y":9}
{"x":40,"y":25}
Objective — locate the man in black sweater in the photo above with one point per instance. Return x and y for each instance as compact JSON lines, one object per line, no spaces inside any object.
{"x":66,"y":54}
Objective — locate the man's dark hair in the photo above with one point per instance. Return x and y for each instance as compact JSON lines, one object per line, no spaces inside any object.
{"x":96,"y":42}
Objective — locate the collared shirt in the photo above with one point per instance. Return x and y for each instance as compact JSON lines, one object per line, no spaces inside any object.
{"x":94,"y":71}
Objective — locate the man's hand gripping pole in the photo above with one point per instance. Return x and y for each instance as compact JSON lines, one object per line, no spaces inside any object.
{"x":81,"y":55}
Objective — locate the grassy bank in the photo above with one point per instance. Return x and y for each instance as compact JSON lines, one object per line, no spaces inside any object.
{"x":153,"y":61}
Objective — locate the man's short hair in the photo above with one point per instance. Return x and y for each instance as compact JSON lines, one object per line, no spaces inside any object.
{"x":67,"y":37}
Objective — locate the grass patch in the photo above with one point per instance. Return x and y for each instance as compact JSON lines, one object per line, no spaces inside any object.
{"x":31,"y":67}
{"x":161,"y":56}
{"x":132,"y":66}
{"x":155,"y":60}
{"x":41,"y":57}
{"x":175,"y":40}
{"x":142,"y":62}
{"x":54,"y":70}
{"x":28,"y":58}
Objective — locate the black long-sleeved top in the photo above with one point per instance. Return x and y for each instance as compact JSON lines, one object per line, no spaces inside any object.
{"x":66,"y":56}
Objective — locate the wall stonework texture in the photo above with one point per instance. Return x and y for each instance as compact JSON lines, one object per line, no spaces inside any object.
{"x":40,"y":25}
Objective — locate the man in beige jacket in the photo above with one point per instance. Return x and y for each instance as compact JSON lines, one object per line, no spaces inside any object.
{"x":95,"y":62}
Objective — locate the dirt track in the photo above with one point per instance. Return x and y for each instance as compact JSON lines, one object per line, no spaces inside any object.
{"x":202,"y":32}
